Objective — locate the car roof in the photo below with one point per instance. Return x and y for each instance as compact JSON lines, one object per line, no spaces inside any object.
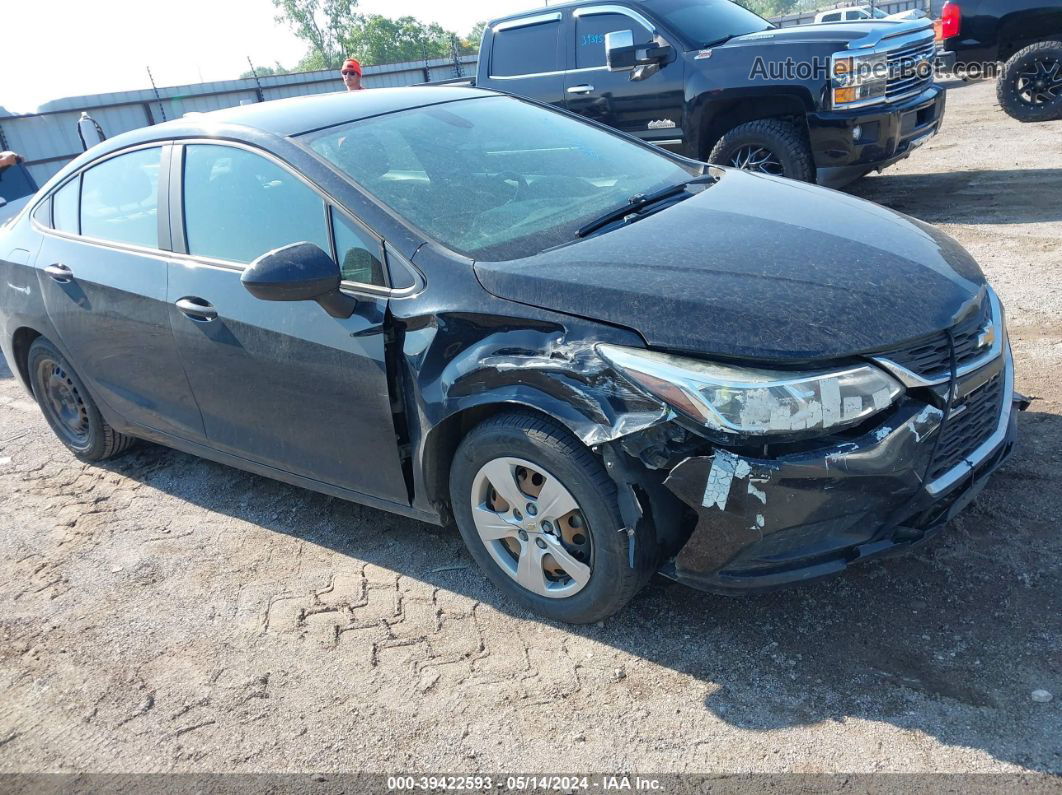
{"x":297,"y":115}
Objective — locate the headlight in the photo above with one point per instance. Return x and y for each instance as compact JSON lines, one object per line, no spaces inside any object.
{"x":745,"y":401}
{"x":859,"y":79}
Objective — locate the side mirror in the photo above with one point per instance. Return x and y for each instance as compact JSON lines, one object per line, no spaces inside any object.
{"x":623,"y":55}
{"x":298,"y":272}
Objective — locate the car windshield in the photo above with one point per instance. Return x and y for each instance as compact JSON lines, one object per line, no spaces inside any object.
{"x":494,"y":178}
{"x":879,"y":14}
{"x":707,"y":22}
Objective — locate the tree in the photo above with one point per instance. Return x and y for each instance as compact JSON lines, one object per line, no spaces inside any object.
{"x":469,"y":45}
{"x":266,"y":71}
{"x":323,"y":24}
{"x":376,"y":39}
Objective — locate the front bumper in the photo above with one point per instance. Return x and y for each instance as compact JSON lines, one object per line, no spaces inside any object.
{"x":764,"y":523}
{"x":888,"y":134}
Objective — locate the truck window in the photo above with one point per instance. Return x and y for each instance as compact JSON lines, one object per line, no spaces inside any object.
{"x":590,"y":33}
{"x":526,"y":50}
{"x":832,"y":17}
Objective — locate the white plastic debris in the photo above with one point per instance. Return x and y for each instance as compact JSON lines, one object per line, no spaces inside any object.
{"x":1041,"y":696}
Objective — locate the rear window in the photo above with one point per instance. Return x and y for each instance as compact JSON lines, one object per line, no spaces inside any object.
{"x":529,"y":49}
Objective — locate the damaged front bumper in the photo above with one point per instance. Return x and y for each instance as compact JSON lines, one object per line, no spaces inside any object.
{"x":770,"y":522}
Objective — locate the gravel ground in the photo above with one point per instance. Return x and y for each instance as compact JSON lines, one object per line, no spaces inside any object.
{"x":163,"y":613}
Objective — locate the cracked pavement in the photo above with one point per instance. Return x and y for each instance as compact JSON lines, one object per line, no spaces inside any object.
{"x":164,"y":613}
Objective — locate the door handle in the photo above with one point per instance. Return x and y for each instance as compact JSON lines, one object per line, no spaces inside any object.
{"x":60,"y":273}
{"x":197,"y":309}
{"x":585,"y":88}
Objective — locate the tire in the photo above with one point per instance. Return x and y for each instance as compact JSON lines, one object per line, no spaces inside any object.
{"x":790,"y":153}
{"x":549,"y":449}
{"x":69,"y":408}
{"x":1019,"y":91}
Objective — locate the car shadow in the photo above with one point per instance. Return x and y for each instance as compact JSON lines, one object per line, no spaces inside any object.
{"x":1017,"y":196}
{"x":949,"y":640}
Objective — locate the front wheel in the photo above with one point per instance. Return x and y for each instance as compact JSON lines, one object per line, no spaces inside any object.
{"x":1030,"y":86}
{"x":768,"y":146}
{"x":539,"y":514}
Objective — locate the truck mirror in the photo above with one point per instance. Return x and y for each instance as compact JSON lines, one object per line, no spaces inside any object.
{"x":623,"y":55}
{"x":620,"y":52}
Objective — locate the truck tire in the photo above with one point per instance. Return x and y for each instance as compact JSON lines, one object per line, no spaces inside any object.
{"x":69,"y":409}
{"x":1030,"y":85}
{"x":540,"y":516}
{"x":767,"y":146}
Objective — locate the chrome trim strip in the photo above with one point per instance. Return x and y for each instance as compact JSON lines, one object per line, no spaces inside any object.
{"x":550,"y":74}
{"x":913,"y":380}
{"x":587,"y":11}
{"x":526,"y":22}
{"x":989,"y":446}
{"x":664,"y":142}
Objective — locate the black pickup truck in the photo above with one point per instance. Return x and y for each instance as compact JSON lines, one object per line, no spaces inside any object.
{"x":1026,"y":34}
{"x":708,"y":79}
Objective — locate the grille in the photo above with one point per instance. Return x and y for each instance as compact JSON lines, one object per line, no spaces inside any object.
{"x":966,"y":431}
{"x":931,"y":358}
{"x":910,"y":69}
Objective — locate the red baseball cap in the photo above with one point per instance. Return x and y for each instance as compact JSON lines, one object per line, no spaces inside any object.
{"x":349,"y":64}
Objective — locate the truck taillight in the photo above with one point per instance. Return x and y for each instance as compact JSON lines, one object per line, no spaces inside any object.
{"x":951,"y":20}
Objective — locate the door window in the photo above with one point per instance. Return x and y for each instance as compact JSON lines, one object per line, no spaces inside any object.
{"x":238,"y":205}
{"x":590,"y":36}
{"x":529,"y":49}
{"x":855,"y":15}
{"x":831,"y":17}
{"x":119,"y":199}
{"x":359,"y":254}
{"x":64,"y":207}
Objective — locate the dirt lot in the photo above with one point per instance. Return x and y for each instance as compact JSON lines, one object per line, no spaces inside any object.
{"x":165,"y":613}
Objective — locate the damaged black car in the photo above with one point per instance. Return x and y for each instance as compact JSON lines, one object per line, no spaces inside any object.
{"x":599,"y":359}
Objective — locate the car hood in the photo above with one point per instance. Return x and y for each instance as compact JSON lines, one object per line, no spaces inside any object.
{"x":868,"y":31}
{"x":756,"y":267}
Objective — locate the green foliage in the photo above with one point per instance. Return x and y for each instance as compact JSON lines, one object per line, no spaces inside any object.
{"x":376,"y":39}
{"x":470,"y":43}
{"x":323,"y":24}
{"x":266,"y":71}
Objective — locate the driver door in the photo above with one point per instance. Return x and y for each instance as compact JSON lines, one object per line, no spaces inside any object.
{"x":651,"y":108}
{"x":281,"y":383}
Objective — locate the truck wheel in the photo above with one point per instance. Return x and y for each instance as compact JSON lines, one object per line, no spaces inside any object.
{"x":1030,"y":86}
{"x":69,"y":408}
{"x":768,"y":146}
{"x":539,"y":514}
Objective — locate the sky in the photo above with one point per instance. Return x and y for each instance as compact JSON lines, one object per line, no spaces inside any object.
{"x":61,"y":48}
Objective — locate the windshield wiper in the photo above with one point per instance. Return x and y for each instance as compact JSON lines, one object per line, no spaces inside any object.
{"x":636,"y":204}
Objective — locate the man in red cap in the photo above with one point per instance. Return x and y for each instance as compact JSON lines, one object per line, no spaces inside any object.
{"x":351,"y":72}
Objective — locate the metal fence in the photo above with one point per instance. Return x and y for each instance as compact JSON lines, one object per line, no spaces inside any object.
{"x":48,"y":139}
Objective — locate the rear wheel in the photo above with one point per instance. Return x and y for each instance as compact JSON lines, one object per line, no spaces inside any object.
{"x":1030,"y":86}
{"x":68,"y":407}
{"x":539,"y":514}
{"x":768,"y":146}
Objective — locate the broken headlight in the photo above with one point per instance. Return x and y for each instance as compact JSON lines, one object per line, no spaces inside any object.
{"x":747,"y":401}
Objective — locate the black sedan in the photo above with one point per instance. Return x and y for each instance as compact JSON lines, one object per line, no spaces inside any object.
{"x":599,"y":359}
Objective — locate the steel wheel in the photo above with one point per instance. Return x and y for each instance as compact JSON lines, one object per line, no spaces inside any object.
{"x":63,"y":401}
{"x":757,"y":158}
{"x":532,"y":527}
{"x":1041,"y":82}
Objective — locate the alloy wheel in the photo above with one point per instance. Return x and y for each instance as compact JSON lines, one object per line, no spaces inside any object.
{"x":757,"y":158}
{"x":532,"y":527}
{"x":1041,"y":82}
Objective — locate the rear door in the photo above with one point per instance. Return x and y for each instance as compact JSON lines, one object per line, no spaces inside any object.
{"x":103,"y":278}
{"x":527,"y":57}
{"x":651,"y":107}
{"x":281,"y":383}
